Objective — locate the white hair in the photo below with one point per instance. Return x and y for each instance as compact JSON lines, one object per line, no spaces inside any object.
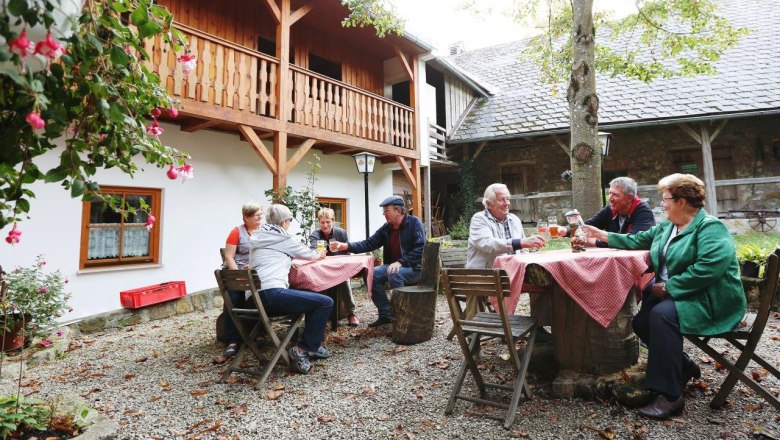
{"x":490,"y":193}
{"x":278,"y":213}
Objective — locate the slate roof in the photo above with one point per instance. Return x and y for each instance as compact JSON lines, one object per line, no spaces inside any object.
{"x":748,"y":81}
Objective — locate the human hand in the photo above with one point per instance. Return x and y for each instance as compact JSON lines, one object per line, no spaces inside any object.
{"x":533,"y":242}
{"x":333,"y":245}
{"x":591,"y":242}
{"x":321,"y":254}
{"x":595,"y":233}
{"x":394,"y":268}
{"x":659,"y":290}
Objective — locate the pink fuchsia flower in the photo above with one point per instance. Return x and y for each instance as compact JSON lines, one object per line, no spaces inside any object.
{"x":41,"y":263}
{"x":173,"y":112}
{"x":156,"y":112}
{"x":49,"y":47}
{"x":45,"y":343}
{"x":22,"y":47}
{"x":35,"y":120}
{"x":155,"y":130}
{"x":14,"y":235}
{"x":70,"y":309}
{"x":187,"y":62}
{"x":173,"y":173}
{"x":43,"y":290}
{"x":59,"y":333}
{"x":150,"y":222}
{"x":186,"y":172}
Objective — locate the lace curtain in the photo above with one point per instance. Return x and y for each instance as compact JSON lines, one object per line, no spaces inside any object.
{"x":104,"y":242}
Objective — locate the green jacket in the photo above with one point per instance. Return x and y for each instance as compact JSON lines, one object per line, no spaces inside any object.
{"x":703,"y":272}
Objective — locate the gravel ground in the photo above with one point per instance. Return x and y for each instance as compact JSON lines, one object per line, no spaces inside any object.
{"x":160,"y":380}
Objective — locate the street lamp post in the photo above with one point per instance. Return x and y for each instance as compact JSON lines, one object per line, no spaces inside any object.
{"x":365,"y":165}
{"x":604,"y":139}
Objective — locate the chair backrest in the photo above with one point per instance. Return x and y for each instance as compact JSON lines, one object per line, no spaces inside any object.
{"x":453,"y":257}
{"x":489,"y":283}
{"x":429,"y":267}
{"x":767,"y":294}
{"x":238,"y":279}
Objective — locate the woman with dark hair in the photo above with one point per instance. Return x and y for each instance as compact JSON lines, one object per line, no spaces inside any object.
{"x":697,"y":289}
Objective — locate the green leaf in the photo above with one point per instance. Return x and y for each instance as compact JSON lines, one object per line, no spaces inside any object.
{"x":23,"y":205}
{"x":77,"y":188}
{"x":140,"y":16}
{"x":116,"y":113}
{"x":17,"y":7}
{"x":118,"y":56}
{"x":55,"y":175}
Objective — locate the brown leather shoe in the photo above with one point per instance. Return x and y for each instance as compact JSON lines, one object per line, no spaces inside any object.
{"x":662,"y":409}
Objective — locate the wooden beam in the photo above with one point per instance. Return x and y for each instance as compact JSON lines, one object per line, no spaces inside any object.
{"x":346,"y":140}
{"x":300,"y":13}
{"x":274,"y":9}
{"x":302,"y":150}
{"x":416,"y":189}
{"x":404,"y":63}
{"x":691,"y":132}
{"x":200,"y":124}
{"x":283,"y":53}
{"x":204,"y":110}
{"x":479,"y":150}
{"x":718,"y":130}
{"x":407,"y":171}
{"x":280,"y":153}
{"x":711,"y":202}
{"x":257,"y":144}
{"x":566,"y":149}
{"x":339,"y":150}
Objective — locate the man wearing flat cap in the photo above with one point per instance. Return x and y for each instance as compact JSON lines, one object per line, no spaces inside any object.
{"x":403,"y":239}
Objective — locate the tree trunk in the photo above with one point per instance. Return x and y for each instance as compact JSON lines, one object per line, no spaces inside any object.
{"x":583,"y":109}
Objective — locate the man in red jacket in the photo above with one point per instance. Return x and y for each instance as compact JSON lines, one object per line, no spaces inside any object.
{"x":626,"y":212}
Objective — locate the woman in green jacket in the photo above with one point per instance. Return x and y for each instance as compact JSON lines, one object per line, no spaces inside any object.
{"x":697,"y":289}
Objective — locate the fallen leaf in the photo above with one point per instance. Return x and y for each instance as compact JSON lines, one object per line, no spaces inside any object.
{"x":705,"y":359}
{"x":400,"y":349}
{"x":98,"y":375}
{"x":166,"y":386}
{"x":239,"y":410}
{"x":504,"y":356}
{"x":719,"y":366}
{"x":276,"y":386}
{"x":607,"y":433}
{"x":129,"y":376}
{"x":326,"y":418}
{"x":273,"y":395}
{"x":382,"y":417}
{"x":701,"y":385}
{"x":233,"y":379}
{"x":199,"y":392}
{"x":155,"y":398}
{"x":142,"y":359}
{"x":750,"y":407}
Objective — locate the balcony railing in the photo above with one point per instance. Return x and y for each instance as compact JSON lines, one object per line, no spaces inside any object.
{"x":231,"y":76}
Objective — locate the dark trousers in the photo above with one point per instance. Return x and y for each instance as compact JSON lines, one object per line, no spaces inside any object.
{"x":658,"y":326}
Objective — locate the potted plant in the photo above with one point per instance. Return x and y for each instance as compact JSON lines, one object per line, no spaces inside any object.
{"x":751,"y":259}
{"x":32,"y":302}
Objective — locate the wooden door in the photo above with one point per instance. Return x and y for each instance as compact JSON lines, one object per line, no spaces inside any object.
{"x":520,"y":179}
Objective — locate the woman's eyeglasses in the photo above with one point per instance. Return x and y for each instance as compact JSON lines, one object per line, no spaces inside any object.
{"x":665,"y":199}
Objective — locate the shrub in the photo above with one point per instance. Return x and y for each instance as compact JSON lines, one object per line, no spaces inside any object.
{"x":460,"y":230}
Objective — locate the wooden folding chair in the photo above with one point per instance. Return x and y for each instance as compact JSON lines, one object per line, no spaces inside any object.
{"x":255,"y":319}
{"x":487,"y":283}
{"x":745,"y":339}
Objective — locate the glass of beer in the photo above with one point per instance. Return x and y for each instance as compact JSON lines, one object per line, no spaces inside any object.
{"x":320,"y":245}
{"x":333,"y":244}
{"x":541,"y":227}
{"x":552,"y":226}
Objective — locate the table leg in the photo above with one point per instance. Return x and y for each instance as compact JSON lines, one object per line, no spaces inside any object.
{"x":334,"y":314}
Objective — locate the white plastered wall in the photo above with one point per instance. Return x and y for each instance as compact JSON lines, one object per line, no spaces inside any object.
{"x":197,"y":215}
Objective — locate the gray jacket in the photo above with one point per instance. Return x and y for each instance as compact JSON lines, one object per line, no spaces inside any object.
{"x":486,"y":240}
{"x":272,"y":254}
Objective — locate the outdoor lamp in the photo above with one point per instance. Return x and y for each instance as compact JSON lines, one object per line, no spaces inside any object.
{"x":365,"y":165}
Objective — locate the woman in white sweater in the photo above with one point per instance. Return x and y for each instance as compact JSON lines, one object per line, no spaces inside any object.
{"x":273,"y":249}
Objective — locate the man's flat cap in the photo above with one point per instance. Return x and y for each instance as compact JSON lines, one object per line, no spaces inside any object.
{"x":392,"y":200}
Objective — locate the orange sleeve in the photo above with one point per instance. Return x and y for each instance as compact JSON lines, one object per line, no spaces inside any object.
{"x":233,"y":237}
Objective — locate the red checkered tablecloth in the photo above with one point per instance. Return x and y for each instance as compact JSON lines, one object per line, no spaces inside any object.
{"x":598,"y":279}
{"x":321,"y":275}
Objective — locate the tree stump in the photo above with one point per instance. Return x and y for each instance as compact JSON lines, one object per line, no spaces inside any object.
{"x":414,"y":310}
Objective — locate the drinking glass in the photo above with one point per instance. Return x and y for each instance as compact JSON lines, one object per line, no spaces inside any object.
{"x":320,"y":245}
{"x":332,"y":243}
{"x":552,"y":226}
{"x":541,"y":227}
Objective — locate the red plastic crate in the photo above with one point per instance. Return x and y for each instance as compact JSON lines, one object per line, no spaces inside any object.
{"x":146,"y":296}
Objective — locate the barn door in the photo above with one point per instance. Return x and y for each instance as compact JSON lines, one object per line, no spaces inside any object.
{"x":520,"y":179}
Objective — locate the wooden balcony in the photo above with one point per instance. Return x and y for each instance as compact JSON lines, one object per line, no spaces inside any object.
{"x":234,"y":85}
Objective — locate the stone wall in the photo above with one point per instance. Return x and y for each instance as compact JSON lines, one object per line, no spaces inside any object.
{"x":746,"y":147}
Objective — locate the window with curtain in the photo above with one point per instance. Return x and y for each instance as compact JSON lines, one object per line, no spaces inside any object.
{"x":339,"y":207}
{"x":111,"y":239}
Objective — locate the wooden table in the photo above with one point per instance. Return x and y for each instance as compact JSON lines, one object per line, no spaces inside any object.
{"x":322,"y":275}
{"x":587,"y":305}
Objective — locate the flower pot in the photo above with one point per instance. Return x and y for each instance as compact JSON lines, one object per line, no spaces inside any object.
{"x":14,"y":338}
{"x":749,"y":269}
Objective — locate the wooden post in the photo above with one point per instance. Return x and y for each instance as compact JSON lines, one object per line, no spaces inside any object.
{"x":711,"y":202}
{"x":280,"y":153}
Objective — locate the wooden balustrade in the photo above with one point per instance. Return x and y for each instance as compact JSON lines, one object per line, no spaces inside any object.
{"x":327,"y":104}
{"x":437,"y":137}
{"x":232,"y":76}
